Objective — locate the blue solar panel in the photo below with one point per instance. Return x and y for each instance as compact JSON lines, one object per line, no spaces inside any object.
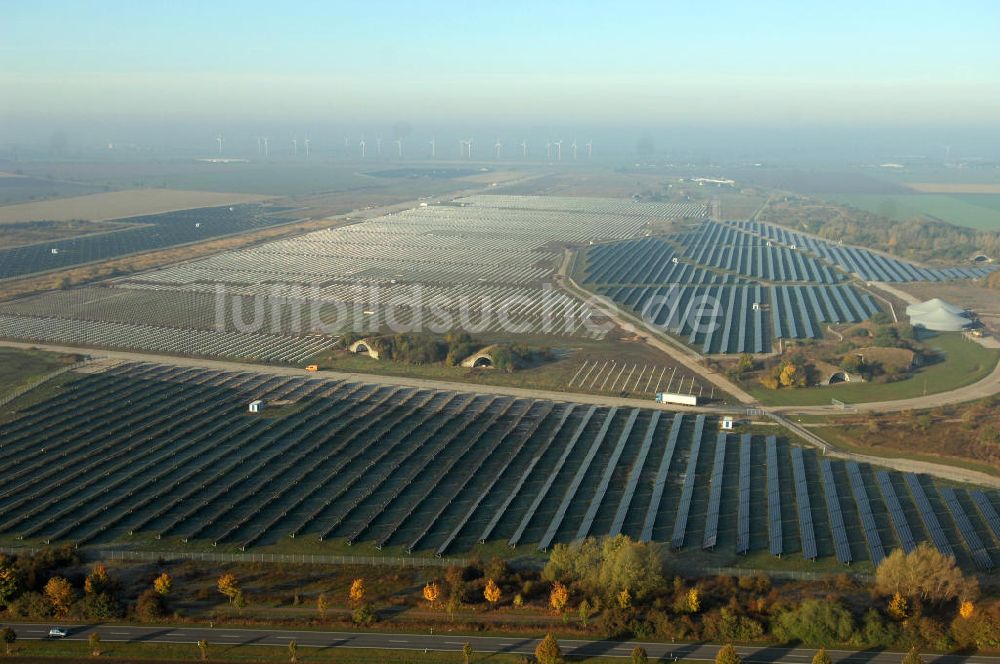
{"x":806,"y":528}
{"x":602,"y":485}
{"x":899,"y":524}
{"x":687,"y":490}
{"x":743,"y":514}
{"x":988,"y":511}
{"x":841,"y":546}
{"x":633,"y":476}
{"x":875,"y":548}
{"x":773,"y":499}
{"x":930,"y":519}
{"x":715,"y":494}
{"x":661,"y":479}
{"x":972,"y":540}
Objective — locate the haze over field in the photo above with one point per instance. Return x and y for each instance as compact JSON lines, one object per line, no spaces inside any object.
{"x":854,"y":80}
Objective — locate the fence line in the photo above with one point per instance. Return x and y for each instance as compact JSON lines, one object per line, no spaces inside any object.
{"x":269,"y":558}
{"x":42,"y":379}
{"x":789,"y":574}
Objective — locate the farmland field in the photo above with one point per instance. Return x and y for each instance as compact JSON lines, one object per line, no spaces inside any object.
{"x":144,"y":452}
{"x":20,"y":189}
{"x":974,"y":210}
{"x":115,"y":205}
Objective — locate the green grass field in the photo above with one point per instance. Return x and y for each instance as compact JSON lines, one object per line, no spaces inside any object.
{"x":965,"y":363}
{"x":979,"y":211}
{"x":18,"y":367}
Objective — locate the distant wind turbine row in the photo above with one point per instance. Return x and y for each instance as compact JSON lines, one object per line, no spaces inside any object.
{"x":465,"y":146}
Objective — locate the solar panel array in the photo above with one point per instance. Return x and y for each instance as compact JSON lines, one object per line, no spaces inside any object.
{"x":684,"y":508}
{"x":987,"y":510}
{"x":743,"y":513}
{"x":807,"y":531}
{"x":980,"y":555}
{"x":875,"y":549}
{"x":715,"y":496}
{"x":869,"y":265}
{"x":660,"y":481}
{"x":899,"y":523}
{"x":773,"y":498}
{"x":927,"y":515}
{"x":841,"y":545}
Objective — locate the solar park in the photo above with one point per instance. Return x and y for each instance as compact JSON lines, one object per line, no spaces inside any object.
{"x":155,"y":452}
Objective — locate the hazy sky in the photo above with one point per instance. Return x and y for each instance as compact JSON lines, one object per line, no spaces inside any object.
{"x":643,"y":63}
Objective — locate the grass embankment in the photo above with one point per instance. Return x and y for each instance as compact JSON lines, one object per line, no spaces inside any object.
{"x":978,"y":211}
{"x":965,"y":362}
{"x":19,"y":367}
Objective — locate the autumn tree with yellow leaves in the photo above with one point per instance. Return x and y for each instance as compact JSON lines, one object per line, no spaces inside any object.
{"x":163,"y":584}
{"x":60,"y":594}
{"x":898,"y":607}
{"x":229,"y":586}
{"x":558,"y":597}
{"x":357,"y":592}
{"x":432,"y":592}
{"x":966,"y":609}
{"x":492,"y":592}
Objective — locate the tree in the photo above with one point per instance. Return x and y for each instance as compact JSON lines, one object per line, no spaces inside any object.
{"x":639,"y":655}
{"x":98,"y":581}
{"x":924,"y":573}
{"x":9,"y":637}
{"x":913,"y":657}
{"x":602,"y":568}
{"x":548,"y":651}
{"x":203,"y":648}
{"x":432,"y":591}
{"x":897,"y":606}
{"x":357,"y":592}
{"x":239,"y":600}
{"x":163,"y":584}
{"x":467,"y":652}
{"x":624,"y":599}
{"x":492,"y":592}
{"x":966,"y":609}
{"x":60,"y":594}
{"x":150,"y":605}
{"x":584,"y":611}
{"x":518,"y":601}
{"x":693,"y":601}
{"x":727,"y":655}
{"x":229,"y":586}
{"x":558,"y":597}
{"x":293,"y":651}
{"x":821,"y":657}
{"x":94,"y":641}
{"x":10,"y":584}
{"x":322,"y":604}
{"x":815,"y":622}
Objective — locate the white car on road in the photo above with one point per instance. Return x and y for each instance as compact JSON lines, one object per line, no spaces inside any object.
{"x":58,"y":633}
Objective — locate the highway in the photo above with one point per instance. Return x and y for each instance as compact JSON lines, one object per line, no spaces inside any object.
{"x":431,"y":643}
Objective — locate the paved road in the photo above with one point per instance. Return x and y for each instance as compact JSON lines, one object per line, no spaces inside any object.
{"x":481,"y":644}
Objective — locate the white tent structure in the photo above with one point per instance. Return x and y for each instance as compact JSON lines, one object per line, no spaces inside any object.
{"x":938,"y":315}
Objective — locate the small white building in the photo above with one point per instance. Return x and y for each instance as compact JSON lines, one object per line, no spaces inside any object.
{"x":256,"y":406}
{"x":728,"y":423}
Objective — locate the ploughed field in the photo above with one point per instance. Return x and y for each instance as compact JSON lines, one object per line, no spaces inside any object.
{"x":140,"y":451}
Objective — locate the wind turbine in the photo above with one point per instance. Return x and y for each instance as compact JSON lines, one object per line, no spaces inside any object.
{"x":468,"y":144}
{"x":219,"y":139}
{"x":548,"y":149}
{"x":399,"y":147}
{"x":574,"y":149}
{"x":260,"y":148}
{"x":590,"y":148}
{"x":307,"y":146}
{"x":362,"y":144}
{"x":267,"y":147}
{"x":497,"y":147}
{"x":295,"y":146}
{"x":433,"y":147}
{"x":558,"y":145}
{"x":524,"y":149}
{"x":378,"y":146}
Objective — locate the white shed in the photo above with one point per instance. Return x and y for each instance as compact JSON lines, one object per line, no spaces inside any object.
{"x":728,"y":423}
{"x":256,"y":406}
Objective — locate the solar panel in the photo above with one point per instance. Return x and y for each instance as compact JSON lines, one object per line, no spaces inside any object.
{"x":988,"y":511}
{"x":972,"y":540}
{"x":574,"y":486}
{"x":715,"y":494}
{"x":773,"y":498}
{"x":633,"y":476}
{"x":543,"y":492}
{"x":930,"y":519}
{"x":875,"y":547}
{"x":743,"y":514}
{"x":602,"y":486}
{"x":687,"y":490}
{"x":661,"y":479}
{"x":841,"y":546}
{"x":806,"y":528}
{"x":899,"y":524}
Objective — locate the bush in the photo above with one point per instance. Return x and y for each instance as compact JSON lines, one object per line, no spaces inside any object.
{"x":815,"y":623}
{"x":150,"y":605}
